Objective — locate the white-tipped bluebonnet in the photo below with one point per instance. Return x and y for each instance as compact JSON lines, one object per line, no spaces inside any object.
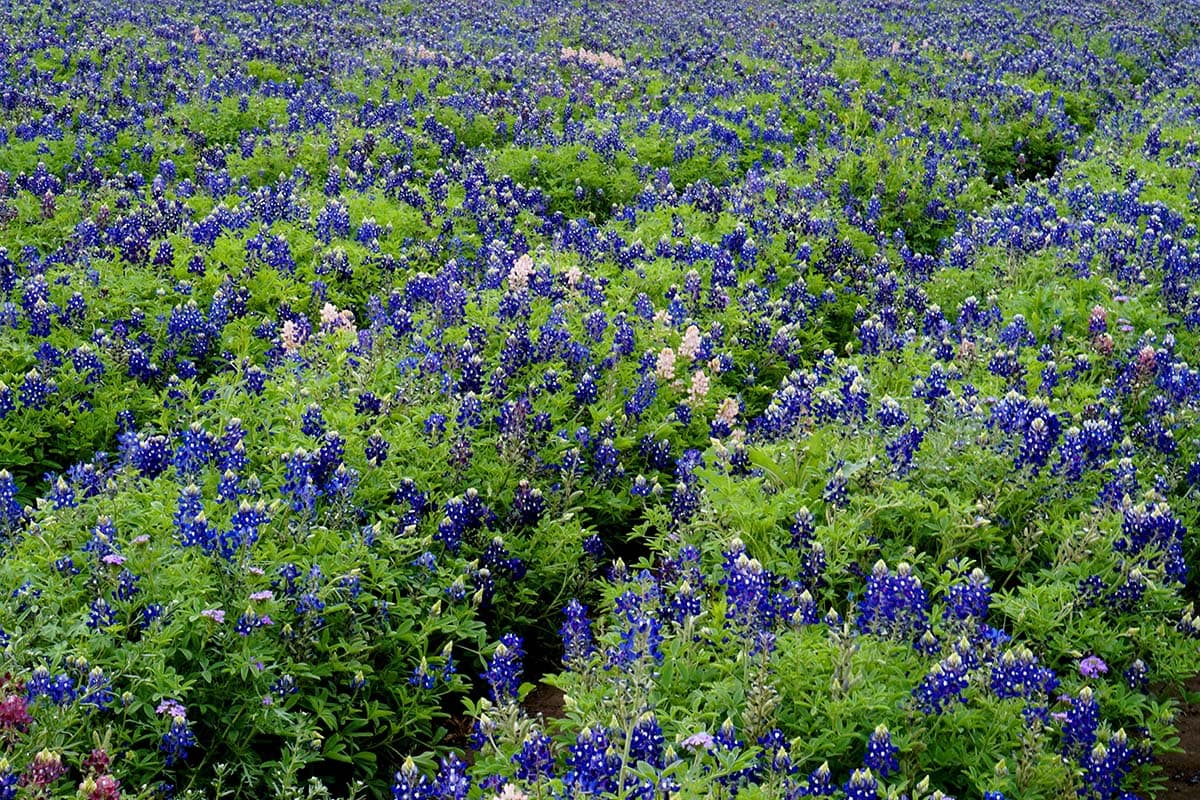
{"x":576,"y":633}
{"x":881,"y":754}
{"x":503,"y":673}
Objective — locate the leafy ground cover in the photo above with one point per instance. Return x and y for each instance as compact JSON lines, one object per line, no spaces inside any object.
{"x":595,"y":399}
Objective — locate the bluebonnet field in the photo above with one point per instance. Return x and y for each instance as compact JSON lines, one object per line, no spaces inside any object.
{"x":802,"y":389}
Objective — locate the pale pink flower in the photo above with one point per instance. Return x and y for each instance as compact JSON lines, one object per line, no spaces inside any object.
{"x":690,"y":346}
{"x":728,"y":411}
{"x":334,"y":320}
{"x":511,"y":792}
{"x":290,"y":338}
{"x":699,"y":388}
{"x":574,"y":276}
{"x":665,"y":366}
{"x":1147,"y":361}
{"x":420,"y":52}
{"x":518,"y":276}
{"x":329,"y":314}
{"x":594,"y":58}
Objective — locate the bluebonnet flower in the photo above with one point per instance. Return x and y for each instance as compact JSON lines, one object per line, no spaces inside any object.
{"x":528,"y":504}
{"x":101,"y":614}
{"x":1157,"y":529}
{"x":410,"y":784}
{"x":969,"y":600}
{"x":1080,"y":724}
{"x":464,"y":514}
{"x":903,"y":449}
{"x":894,"y":604}
{"x":126,"y":585}
{"x":1137,"y":675}
{"x":10,"y":781}
{"x":97,"y":692}
{"x":942,"y":686}
{"x":592,"y":763}
{"x":685,"y":604}
{"x":58,"y":689}
{"x":11,"y":513}
{"x":376,"y":449}
{"x":534,"y":760}
{"x":421,"y":677}
{"x":835,"y":493}
{"x":504,"y":669}
{"x":747,"y":590}
{"x":7,"y":403}
{"x":243,"y":529}
{"x":35,"y":390}
{"x":861,"y":786}
{"x":640,"y":634}
{"x":250,"y":621}
{"x":593,"y":546}
{"x":285,"y":685}
{"x":152,"y":455}
{"x":151,"y":613}
{"x":880,"y":757}
{"x":229,"y":487}
{"x":1017,"y":674}
{"x":194,"y":450}
{"x":820,"y":782}
{"x":1041,"y":434}
{"x":177,"y":742}
{"x":684,"y":504}
{"x":61,"y":495}
{"x":452,"y":781}
{"x":646,"y":741}
{"x":576,"y":633}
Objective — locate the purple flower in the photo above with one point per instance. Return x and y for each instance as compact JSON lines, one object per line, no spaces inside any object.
{"x":1093,"y":667}
{"x":172,"y":708}
{"x":703,"y":739}
{"x":217,"y":615}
